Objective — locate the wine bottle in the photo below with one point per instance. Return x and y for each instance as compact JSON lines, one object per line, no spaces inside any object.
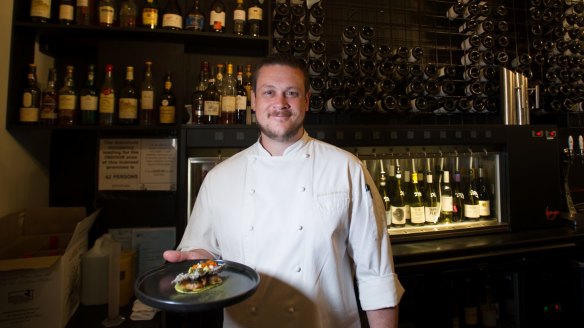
{"x":385,"y":86}
{"x":40,"y":11}
{"x":483,"y":195}
{"x":471,"y":205}
{"x":48,"y":112}
{"x":417,"y":202}
{"x":150,"y":14}
{"x":334,"y":84}
{"x":333,"y":67}
{"x":67,"y":103}
{"x":66,"y":12}
{"x":316,"y":13}
{"x":298,"y":12}
{"x":317,"y":49}
{"x":458,"y":198}
{"x":239,"y":18}
{"x":172,"y":18}
{"x":88,"y":99}
{"x":281,"y":11}
{"x":228,"y":97}
{"x":217,"y":17}
{"x":383,"y":191}
{"x":212,"y":101}
{"x":470,"y":307}
{"x":367,"y":50}
{"x":241,"y":99}
{"x":446,"y":199}
{"x":368,"y":103}
{"x":198,"y":97}
{"x":84,"y":12}
{"x":316,"y":103}
{"x":335,"y":104}
{"x":368,"y":85}
{"x":415,"y":54}
{"x":315,"y":31}
{"x":128,"y":100}
{"x":167,"y":104}
{"x":397,"y":200}
{"x":471,"y":73}
{"x":407,"y":188}
{"x":431,"y":204}
{"x":316,"y":84}
{"x":31,"y":99}
{"x":147,"y":92}
{"x":299,"y":47}
{"x":255,"y":15}
{"x":282,"y":46}
{"x":349,"y":33}
{"x":386,"y":104}
{"x":247,"y":84}
{"x":470,"y":57}
{"x":195,"y":18}
{"x":283,"y":29}
{"x":107,"y":13}
{"x":366,"y":33}
{"x":299,"y":30}
{"x":128,"y":13}
{"x":107,"y":98}
{"x":455,"y":11}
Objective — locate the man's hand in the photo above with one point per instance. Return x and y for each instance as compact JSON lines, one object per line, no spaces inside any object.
{"x":179,"y":256}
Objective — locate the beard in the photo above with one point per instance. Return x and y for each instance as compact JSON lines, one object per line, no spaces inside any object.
{"x":282,"y":136}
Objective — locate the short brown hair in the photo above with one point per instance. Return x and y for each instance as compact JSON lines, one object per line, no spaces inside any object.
{"x":284,"y":60}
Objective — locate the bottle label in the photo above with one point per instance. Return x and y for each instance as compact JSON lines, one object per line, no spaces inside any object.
{"x":217,"y":20}
{"x":211,"y":108}
{"x":128,"y":108}
{"x":241,"y":103}
{"x":147,"y":100}
{"x":66,"y":12}
{"x":239,"y":14}
{"x":26,"y":99}
{"x":255,"y":13}
{"x":88,"y":103}
{"x":195,"y":22}
{"x":67,"y":102}
{"x":40,"y":8}
{"x":484,"y":208}
{"x":471,"y":211}
{"x":82,"y":3}
{"x":107,"y":103}
{"x":228,"y":104}
{"x":49,"y":106}
{"x":29,"y":114}
{"x":432,"y":214}
{"x":150,"y":16}
{"x":398,"y":215}
{"x":172,"y":20}
{"x":418,"y":214}
{"x":388,"y":217}
{"x":106,"y":15}
{"x":446,"y":203}
{"x":167,"y":114}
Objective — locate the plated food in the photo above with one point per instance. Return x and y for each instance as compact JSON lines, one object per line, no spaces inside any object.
{"x":201,"y":276}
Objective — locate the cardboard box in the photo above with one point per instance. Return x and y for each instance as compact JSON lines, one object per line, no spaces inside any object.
{"x":40,"y":251}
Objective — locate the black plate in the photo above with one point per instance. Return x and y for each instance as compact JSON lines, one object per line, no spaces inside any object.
{"x":154,"y":288}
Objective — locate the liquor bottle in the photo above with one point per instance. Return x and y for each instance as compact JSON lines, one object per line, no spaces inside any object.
{"x":217,"y":17}
{"x":84,"y":12}
{"x":446,"y":199}
{"x":107,"y":98}
{"x":147,"y":92}
{"x":68,"y":99}
{"x":66,"y":12}
{"x":220,"y":73}
{"x":167,"y":103}
{"x":458,"y":198}
{"x":198,"y":101}
{"x":398,"y":200}
{"x":88,"y":99}
{"x":241,"y":99}
{"x":172,"y":18}
{"x":431,"y":204}
{"x":228,"y":96}
{"x":471,"y":205}
{"x":128,"y":101}
{"x":128,"y":13}
{"x":212,"y":101}
{"x":40,"y":11}
{"x":255,"y":18}
{"x":416,"y":202}
{"x":31,"y":99}
{"x":150,"y":14}
{"x":48,"y":112}
{"x":239,"y":18}
{"x":484,"y":196}
{"x":247,"y":84}
{"x":195,"y":19}
{"x":385,"y":195}
{"x":107,"y":13}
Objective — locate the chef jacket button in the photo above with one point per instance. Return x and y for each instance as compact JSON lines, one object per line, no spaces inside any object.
{"x":250,"y":228}
{"x":307,"y":155}
{"x":300,"y":228}
{"x":291,"y":309}
{"x":298,"y":269}
{"x":303,"y":189}
{"x":252,"y":191}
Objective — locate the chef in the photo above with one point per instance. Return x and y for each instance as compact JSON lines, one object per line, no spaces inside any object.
{"x":304,"y":214}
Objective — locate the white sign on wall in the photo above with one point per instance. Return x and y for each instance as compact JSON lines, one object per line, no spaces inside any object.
{"x":137,"y":164}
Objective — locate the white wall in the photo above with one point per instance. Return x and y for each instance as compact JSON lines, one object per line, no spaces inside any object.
{"x":24,"y":182}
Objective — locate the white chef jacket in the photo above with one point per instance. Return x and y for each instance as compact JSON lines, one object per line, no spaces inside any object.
{"x":309,"y":222}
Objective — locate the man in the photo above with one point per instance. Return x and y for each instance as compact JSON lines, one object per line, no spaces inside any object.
{"x":303,"y":213}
